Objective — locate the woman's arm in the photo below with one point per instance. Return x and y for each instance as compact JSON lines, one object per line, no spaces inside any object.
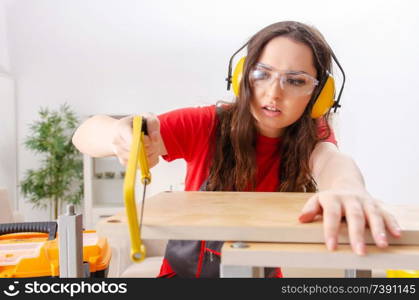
{"x":101,"y":136}
{"x":342,"y":193}
{"x":95,"y":136}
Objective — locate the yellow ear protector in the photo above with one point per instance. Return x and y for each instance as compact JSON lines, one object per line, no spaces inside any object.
{"x":325,"y":99}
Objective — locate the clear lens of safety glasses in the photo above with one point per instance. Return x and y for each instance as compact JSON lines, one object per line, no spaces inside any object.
{"x":292,"y":83}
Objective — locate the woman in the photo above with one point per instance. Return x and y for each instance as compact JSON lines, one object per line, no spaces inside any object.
{"x":266,"y":140}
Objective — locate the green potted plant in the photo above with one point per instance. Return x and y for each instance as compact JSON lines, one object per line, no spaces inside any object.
{"x":59,"y":178}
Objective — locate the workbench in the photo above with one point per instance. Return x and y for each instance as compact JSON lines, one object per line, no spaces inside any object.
{"x":262,"y":230}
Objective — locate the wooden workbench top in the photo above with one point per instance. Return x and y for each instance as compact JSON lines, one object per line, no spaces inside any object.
{"x":308,"y":255}
{"x":247,"y":216}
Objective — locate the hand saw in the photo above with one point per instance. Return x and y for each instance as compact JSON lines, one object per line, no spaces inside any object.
{"x":137,"y":159}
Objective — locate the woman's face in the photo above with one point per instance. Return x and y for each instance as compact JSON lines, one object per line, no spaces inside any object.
{"x":274,"y":105}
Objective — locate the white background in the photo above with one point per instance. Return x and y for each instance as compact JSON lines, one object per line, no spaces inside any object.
{"x":124,"y":57}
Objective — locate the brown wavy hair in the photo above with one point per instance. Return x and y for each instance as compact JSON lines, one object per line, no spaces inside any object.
{"x":233,"y":158}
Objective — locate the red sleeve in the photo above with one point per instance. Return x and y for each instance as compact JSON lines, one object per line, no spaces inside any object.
{"x":185,"y":131}
{"x":325,"y":132}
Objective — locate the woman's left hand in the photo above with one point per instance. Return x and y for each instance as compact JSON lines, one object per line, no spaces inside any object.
{"x":360,"y":211}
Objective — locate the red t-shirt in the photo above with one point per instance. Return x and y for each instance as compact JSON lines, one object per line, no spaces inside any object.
{"x":188,"y":133}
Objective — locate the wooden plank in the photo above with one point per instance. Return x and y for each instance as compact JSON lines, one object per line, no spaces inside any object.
{"x":239,"y":216}
{"x":317,"y":256}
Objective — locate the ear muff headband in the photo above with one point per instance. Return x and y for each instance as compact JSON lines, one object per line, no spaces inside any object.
{"x":325,"y":100}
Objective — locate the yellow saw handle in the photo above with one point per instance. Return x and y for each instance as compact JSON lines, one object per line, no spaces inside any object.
{"x":137,"y":156}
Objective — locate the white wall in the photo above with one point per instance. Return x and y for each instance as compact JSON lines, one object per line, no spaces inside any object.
{"x":4,"y":51}
{"x":8,"y":138}
{"x":7,"y":115}
{"x":110,"y":56}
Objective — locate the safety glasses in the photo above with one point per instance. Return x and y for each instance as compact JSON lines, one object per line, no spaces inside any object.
{"x":293,"y":84}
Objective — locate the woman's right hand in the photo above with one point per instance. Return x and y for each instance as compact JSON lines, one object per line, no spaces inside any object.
{"x":153,"y":142}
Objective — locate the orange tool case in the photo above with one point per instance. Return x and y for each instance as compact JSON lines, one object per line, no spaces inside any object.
{"x":32,"y":250}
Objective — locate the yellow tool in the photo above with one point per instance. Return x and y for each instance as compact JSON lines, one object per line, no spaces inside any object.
{"x":137,"y":156}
